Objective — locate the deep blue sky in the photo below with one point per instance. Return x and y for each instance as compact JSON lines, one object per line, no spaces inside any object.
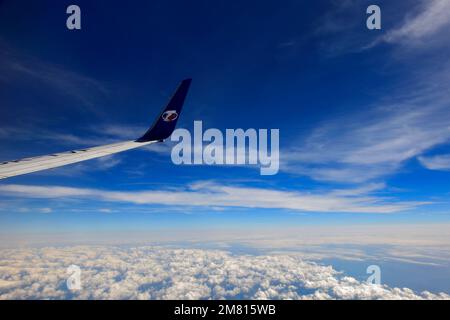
{"x":363,"y":115}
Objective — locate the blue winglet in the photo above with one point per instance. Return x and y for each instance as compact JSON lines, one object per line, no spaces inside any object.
{"x":165,"y":124}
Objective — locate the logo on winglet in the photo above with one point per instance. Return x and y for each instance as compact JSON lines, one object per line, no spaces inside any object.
{"x":170,"y":115}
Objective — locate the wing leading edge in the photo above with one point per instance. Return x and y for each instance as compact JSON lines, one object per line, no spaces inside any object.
{"x":161,"y":129}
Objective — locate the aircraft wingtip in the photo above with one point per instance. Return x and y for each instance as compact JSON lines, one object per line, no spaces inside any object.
{"x":165,"y":124}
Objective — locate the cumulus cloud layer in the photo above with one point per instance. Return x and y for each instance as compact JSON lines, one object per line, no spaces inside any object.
{"x":166,"y":273}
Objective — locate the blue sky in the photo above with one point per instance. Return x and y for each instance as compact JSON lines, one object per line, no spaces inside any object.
{"x":363,"y":115}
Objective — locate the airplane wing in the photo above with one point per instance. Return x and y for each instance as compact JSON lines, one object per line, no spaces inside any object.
{"x":161,"y":129}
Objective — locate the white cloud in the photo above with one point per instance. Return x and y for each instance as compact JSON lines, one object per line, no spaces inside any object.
{"x":15,"y":65}
{"x":440,"y":162}
{"x":166,"y":273}
{"x":108,"y":162}
{"x":399,"y":126}
{"x":433,"y":17}
{"x":31,"y":132}
{"x":378,"y":141}
{"x":105,"y":210}
{"x":119,"y":131}
{"x":210,"y":194}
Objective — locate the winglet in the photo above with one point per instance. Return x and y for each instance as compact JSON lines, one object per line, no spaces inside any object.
{"x":165,"y":124}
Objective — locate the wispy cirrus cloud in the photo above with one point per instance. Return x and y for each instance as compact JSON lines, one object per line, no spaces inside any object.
{"x":376,"y":142}
{"x":412,"y":24}
{"x":35,"y":133}
{"x":15,"y":66}
{"x":212,"y":195}
{"x":438,"y":162}
{"x":421,"y":28}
